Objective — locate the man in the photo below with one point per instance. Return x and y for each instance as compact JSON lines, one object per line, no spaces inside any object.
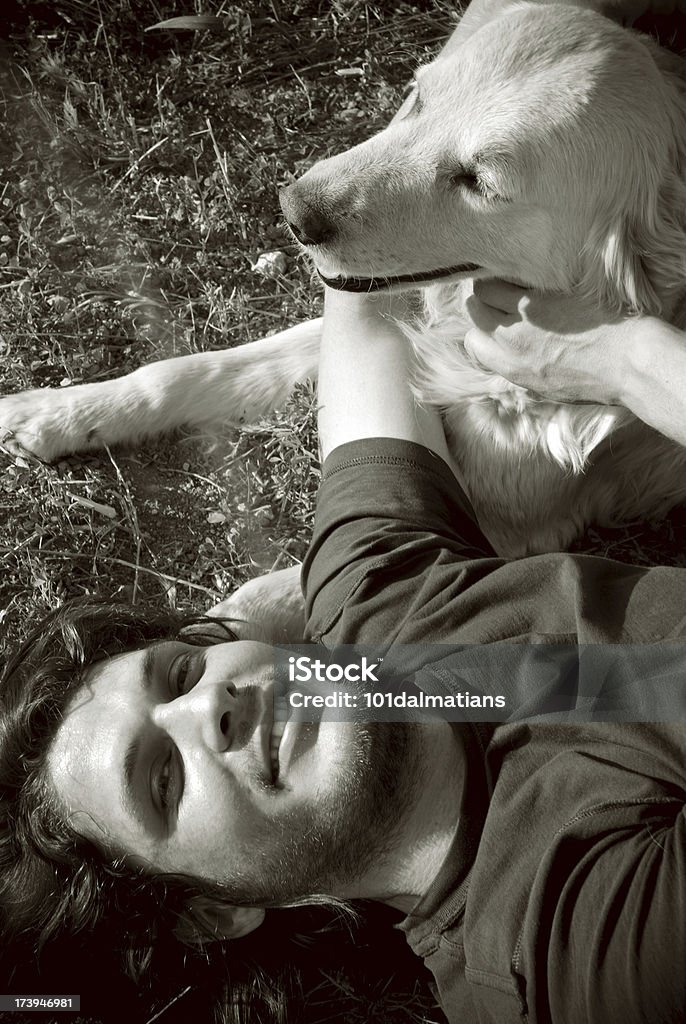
{"x":542,"y":866}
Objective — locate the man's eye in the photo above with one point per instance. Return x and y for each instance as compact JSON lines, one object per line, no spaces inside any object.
{"x":179,"y":675}
{"x":164,"y":783}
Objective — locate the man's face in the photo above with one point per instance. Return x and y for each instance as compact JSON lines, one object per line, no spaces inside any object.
{"x":167,"y":755}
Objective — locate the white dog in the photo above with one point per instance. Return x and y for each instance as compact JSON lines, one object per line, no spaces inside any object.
{"x":548,"y":147}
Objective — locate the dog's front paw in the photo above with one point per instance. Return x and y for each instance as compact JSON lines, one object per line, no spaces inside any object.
{"x":47,"y":422}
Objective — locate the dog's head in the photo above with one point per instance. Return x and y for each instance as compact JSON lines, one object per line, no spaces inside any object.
{"x":548,"y":148}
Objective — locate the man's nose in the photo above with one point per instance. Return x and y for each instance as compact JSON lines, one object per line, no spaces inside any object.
{"x":207,"y":714}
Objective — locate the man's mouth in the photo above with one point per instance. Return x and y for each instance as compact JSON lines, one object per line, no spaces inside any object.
{"x":278,"y":729}
{"x":375,"y":284}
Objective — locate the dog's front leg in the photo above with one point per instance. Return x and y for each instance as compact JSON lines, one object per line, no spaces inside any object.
{"x":236,"y":386}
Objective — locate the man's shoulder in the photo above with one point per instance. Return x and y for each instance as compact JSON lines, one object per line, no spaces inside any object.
{"x":580,"y":823}
{"x":566,"y":845}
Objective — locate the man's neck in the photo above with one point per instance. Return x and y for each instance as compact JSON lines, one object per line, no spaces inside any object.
{"x":429,"y":826}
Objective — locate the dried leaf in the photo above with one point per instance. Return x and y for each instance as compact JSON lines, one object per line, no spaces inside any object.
{"x":195,"y":22}
{"x":270,"y":264}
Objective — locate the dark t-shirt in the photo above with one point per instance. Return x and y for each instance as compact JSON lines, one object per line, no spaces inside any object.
{"x":563,"y":897}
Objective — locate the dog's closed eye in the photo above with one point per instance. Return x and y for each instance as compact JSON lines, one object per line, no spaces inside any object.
{"x":469,"y":179}
{"x":479,"y":179}
{"x":465,"y":177}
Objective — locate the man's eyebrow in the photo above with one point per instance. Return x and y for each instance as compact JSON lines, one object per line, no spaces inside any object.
{"x":148,"y":666}
{"x":133,"y":750}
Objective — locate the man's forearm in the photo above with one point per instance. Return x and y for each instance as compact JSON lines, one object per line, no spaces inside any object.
{"x":654,"y":382}
{"x":364,"y":376}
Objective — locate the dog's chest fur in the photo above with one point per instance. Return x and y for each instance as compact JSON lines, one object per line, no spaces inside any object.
{"x":537,"y":472}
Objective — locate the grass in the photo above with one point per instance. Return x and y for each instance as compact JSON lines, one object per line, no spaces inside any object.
{"x":142,"y":169}
{"x":140,"y":173}
{"x":140,"y":181}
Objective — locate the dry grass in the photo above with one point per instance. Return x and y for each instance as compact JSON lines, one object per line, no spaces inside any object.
{"x":141,"y":177}
{"x":141,"y":171}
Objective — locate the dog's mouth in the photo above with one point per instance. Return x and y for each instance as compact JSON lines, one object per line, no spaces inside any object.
{"x":375,"y":284}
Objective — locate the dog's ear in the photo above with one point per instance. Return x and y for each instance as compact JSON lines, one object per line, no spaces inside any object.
{"x":619,"y":274}
{"x":638,"y":254}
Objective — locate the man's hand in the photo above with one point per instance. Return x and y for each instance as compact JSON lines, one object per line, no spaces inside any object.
{"x":559,"y":347}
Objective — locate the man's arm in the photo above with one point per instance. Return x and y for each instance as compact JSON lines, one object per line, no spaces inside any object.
{"x":364,"y":376}
{"x":388,"y":511}
{"x":655,"y":384}
{"x":567,"y":350}
{"x":608,"y":936}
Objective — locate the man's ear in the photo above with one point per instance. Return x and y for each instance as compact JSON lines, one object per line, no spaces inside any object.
{"x":206,"y":921}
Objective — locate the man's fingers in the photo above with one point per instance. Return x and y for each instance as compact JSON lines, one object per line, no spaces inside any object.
{"x":478,"y":345}
{"x":488,"y":317}
{"x":499,"y":294}
{"x":482,"y":315}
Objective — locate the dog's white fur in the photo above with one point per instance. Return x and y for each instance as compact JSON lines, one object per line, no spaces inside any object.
{"x":576,"y":129}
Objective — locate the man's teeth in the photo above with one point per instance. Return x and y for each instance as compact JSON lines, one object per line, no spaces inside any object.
{"x":277,"y":732}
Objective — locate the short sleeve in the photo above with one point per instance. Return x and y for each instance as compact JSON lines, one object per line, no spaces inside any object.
{"x":606,"y":933}
{"x":390,"y":512}
{"x":397,"y":557}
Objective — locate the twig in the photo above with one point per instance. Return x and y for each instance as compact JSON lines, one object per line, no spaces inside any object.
{"x":133,"y":518}
{"x":18,"y":547}
{"x":161,"y":575}
{"x":139,"y":568}
{"x":171,"y":1002}
{"x":135,"y":165}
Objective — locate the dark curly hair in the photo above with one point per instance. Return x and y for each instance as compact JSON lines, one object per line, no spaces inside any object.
{"x":56,"y":885}
{"x":52,"y":880}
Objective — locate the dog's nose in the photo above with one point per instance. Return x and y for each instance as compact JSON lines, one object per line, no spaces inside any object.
{"x":310,"y":225}
{"x":313,"y":229}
